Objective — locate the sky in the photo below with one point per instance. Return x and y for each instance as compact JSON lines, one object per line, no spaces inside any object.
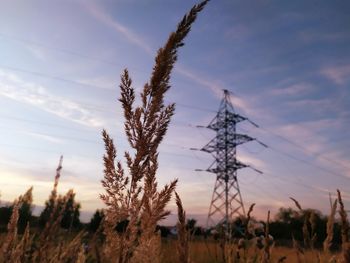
{"x":286,"y":64}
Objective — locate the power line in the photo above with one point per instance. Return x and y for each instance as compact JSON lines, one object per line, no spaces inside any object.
{"x":305,"y":161}
{"x":308,"y":163}
{"x":192,"y":107}
{"x":310,"y":187}
{"x":305,"y":150}
{"x":57,"y":78}
{"x":52,"y":135}
{"x":35,"y":149}
{"x":275,"y":149}
{"x":53,"y":48}
{"x":82,"y":140}
{"x":48,"y":124}
{"x":95,"y":107}
{"x":188,"y":106}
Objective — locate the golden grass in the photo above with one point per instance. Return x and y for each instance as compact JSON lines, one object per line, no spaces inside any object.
{"x":134,"y":201}
{"x":134,"y":204}
{"x":210,"y":252}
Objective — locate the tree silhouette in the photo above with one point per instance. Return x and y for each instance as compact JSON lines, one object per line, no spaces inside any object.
{"x":71,"y":213}
{"x":96,"y":220}
{"x":25,"y":209}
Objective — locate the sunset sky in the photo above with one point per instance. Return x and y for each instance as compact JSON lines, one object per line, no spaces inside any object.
{"x":287,"y":64}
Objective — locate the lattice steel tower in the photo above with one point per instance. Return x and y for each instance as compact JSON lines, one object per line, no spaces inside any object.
{"x":227,"y":200}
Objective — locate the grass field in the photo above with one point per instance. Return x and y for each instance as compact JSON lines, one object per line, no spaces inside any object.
{"x":134,"y":204}
{"x":210,"y":252}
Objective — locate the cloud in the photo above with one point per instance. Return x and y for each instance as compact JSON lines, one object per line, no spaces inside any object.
{"x":316,"y":106}
{"x":327,"y":192}
{"x":37,"y":52}
{"x":308,"y":138}
{"x":103,"y":82}
{"x":238,"y":32}
{"x":306,"y":134}
{"x":106,"y":19}
{"x":213,"y":86}
{"x":295,"y":89}
{"x":87,"y":193}
{"x":312,"y":36}
{"x":338,"y":74}
{"x":216,"y":88}
{"x":13,"y":87}
{"x":46,"y":137}
{"x":17,"y":179}
{"x":252,"y":161}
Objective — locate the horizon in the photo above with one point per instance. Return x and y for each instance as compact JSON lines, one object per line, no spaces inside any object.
{"x":286,"y":64}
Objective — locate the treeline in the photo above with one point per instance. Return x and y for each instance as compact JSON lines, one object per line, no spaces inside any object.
{"x":70,"y":212}
{"x":287,"y":224}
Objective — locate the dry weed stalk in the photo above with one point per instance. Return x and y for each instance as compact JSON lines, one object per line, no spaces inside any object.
{"x":52,"y":244}
{"x":309,"y":220}
{"x":330,"y":228}
{"x":21,"y":253}
{"x":182,"y":234}
{"x":344,"y":230}
{"x":133,"y":208}
{"x":81,"y":255}
{"x":247,"y":229}
{"x":282,"y":259}
{"x":313,"y":235}
{"x":15,"y":249}
{"x":71,"y":251}
{"x":299,"y":251}
{"x":267,"y":255}
{"x":49,"y":234}
{"x":27,"y":198}
{"x":296,"y":203}
{"x":344,"y":220}
{"x":305,"y":229}
{"x":9,"y":245}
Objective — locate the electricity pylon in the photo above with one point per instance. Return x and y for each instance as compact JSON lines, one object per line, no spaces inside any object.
{"x":226,"y":200}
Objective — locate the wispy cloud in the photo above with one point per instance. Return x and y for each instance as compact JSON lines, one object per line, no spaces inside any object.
{"x":106,"y":19}
{"x":45,"y":137}
{"x":308,"y":134}
{"x":254,"y":162}
{"x":309,"y":138}
{"x":215,"y":87}
{"x":294,"y":89}
{"x":338,"y":74}
{"x":13,"y":87}
{"x":316,"y":106}
{"x":333,"y":193}
{"x":103,"y":82}
{"x":238,"y":32}
{"x":312,"y":36}
{"x":37,"y":52}
{"x":16,"y":181}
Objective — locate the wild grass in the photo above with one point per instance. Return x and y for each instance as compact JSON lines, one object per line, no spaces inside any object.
{"x":51,"y":244}
{"x":210,"y":252}
{"x":135,"y":204}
